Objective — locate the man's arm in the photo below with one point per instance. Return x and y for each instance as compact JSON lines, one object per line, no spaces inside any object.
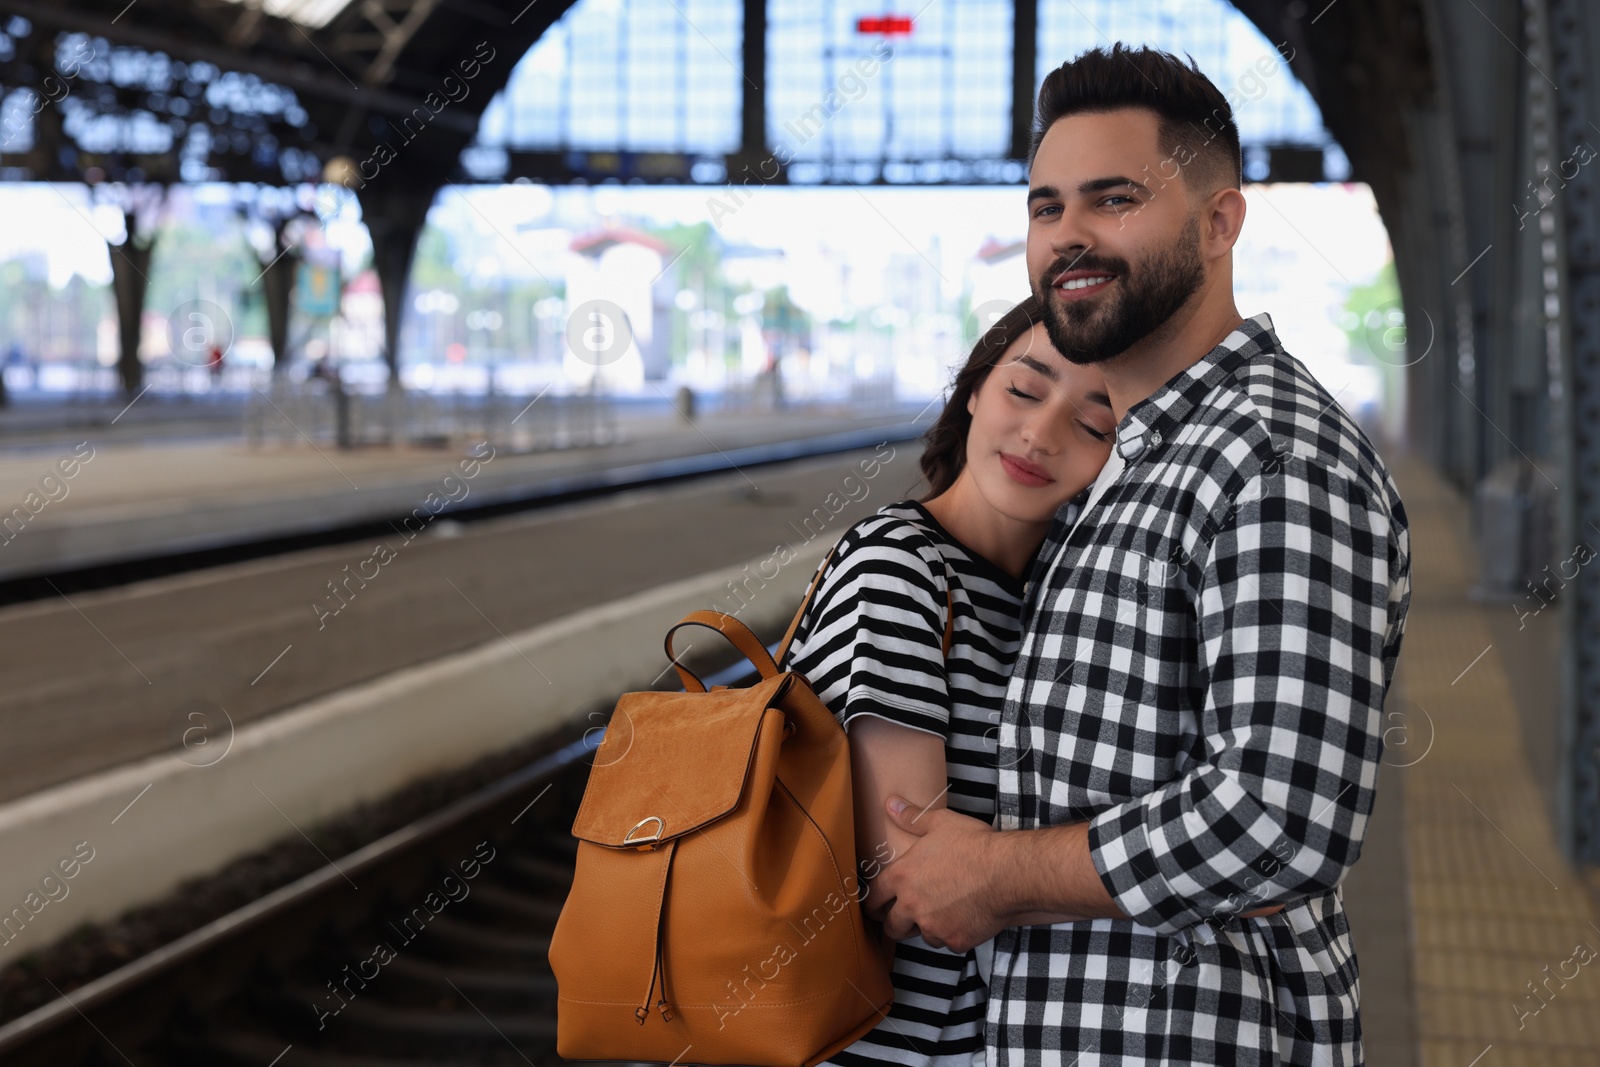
{"x":1047,"y":876}
{"x":1292,"y":598}
{"x":1293,"y":595}
{"x":962,"y":881}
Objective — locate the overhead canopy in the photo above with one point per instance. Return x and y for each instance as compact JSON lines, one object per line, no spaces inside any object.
{"x":250,"y":92}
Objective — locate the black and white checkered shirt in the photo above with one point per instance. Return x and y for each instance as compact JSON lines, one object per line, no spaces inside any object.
{"x":1202,"y":678}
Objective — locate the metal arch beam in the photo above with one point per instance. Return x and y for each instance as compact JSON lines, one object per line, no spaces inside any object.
{"x":1382,"y":106}
{"x":431,"y":56}
{"x":302,"y":80}
{"x":389,"y":34}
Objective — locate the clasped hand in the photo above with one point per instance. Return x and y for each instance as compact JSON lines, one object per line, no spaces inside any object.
{"x":961,"y":881}
{"x":940,"y":888}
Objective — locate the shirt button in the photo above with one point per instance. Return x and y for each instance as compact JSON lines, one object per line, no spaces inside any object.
{"x":1155,"y":439}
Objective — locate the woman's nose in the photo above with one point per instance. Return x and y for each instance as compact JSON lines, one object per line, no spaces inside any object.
{"x":1040,"y":432}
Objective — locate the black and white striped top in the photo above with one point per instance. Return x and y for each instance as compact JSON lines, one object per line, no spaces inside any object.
{"x":870,"y":644}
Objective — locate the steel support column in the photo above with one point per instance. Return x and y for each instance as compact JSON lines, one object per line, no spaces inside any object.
{"x":395,"y":213}
{"x":1024,"y":72}
{"x":277,"y":286}
{"x":130,"y":279}
{"x":1574,"y":36}
{"x":753,"y":108}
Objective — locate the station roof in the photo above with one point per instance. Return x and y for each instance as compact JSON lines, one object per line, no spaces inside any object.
{"x":281,"y":87}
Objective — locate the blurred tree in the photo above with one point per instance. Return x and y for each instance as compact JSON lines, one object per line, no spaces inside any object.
{"x":1375,"y":324}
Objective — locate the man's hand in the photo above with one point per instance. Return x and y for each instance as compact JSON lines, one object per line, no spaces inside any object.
{"x":962,"y":881}
{"x":939,"y":888}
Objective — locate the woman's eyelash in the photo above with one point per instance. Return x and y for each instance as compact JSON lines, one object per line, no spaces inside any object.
{"x":1096,"y":434}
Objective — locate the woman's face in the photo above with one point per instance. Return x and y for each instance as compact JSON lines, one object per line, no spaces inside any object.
{"x":1041,"y":429}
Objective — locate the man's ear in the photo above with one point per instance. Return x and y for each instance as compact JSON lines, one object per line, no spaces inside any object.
{"x":1221,"y":220}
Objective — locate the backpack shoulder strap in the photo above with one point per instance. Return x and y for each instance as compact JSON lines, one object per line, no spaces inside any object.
{"x":805,"y":602}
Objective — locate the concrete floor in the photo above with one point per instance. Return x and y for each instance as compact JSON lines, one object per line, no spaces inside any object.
{"x":1494,"y":910}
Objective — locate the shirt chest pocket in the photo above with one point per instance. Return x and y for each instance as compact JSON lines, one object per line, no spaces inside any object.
{"x":1138,"y":634}
{"x":1139,"y":589}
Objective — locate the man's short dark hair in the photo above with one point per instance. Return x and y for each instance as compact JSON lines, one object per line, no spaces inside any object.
{"x":1197,"y":129}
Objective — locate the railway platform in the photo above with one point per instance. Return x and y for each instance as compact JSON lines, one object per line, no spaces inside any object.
{"x":101,"y":500}
{"x":1475,"y":934}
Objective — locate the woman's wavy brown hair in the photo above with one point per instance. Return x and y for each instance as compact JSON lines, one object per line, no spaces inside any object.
{"x":944,"y":451}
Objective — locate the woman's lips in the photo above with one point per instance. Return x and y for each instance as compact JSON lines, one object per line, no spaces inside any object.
{"x":1024,"y":473}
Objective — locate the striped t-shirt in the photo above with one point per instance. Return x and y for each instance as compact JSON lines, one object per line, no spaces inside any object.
{"x":870,"y":644}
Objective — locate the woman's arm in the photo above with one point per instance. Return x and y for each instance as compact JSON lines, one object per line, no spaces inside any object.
{"x":888,"y":758}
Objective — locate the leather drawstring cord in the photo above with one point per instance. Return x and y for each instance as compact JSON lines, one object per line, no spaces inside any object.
{"x":657,"y":965}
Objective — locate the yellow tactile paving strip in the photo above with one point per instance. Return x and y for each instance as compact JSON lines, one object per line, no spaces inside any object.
{"x":1494,"y":903}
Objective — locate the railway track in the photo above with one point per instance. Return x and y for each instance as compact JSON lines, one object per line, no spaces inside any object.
{"x":425,"y":948}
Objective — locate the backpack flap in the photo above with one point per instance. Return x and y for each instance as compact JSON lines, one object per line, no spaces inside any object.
{"x":672,"y":762}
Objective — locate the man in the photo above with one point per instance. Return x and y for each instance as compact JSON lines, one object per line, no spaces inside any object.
{"x":1191,"y":735}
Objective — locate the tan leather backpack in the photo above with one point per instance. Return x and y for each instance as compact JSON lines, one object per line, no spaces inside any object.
{"x":716,"y":876}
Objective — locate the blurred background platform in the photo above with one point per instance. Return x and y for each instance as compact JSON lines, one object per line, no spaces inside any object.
{"x":137,"y":499}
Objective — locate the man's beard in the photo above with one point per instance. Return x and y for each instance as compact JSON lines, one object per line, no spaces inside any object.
{"x":1094,"y":330}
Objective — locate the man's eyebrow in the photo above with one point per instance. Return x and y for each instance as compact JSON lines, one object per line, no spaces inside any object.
{"x":1093,"y":185}
{"x":1038,"y":365}
{"x":1098,"y":398}
{"x":1100,"y":185}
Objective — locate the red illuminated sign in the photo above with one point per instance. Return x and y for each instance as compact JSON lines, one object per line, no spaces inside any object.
{"x":885,"y":26}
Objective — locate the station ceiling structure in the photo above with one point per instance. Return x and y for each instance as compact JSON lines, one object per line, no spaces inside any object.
{"x":1473,"y":123}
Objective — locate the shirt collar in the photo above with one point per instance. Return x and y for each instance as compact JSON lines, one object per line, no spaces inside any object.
{"x":1155,"y":418}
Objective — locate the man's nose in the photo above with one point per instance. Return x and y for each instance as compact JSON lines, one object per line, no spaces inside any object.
{"x":1069,"y":236}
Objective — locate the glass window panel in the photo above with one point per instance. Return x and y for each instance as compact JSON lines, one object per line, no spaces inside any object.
{"x":640,"y":75}
{"x":944,"y":90}
{"x":635,"y":75}
{"x":1270,"y":105}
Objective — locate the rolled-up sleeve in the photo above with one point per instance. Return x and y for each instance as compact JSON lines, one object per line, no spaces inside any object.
{"x":1292,"y":603}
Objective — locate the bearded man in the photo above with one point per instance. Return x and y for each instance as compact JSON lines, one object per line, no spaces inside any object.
{"x":1189,"y":746}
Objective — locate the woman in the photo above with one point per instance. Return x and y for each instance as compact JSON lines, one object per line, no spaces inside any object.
{"x":1024,"y":431}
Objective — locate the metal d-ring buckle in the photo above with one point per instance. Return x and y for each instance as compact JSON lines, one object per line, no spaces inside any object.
{"x":661,"y":828}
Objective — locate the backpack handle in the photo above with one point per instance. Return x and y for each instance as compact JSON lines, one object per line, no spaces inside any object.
{"x":739,"y":636}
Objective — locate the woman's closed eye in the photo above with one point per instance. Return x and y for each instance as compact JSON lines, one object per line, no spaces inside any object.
{"x":1014,"y":391}
{"x":1096,"y":434}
